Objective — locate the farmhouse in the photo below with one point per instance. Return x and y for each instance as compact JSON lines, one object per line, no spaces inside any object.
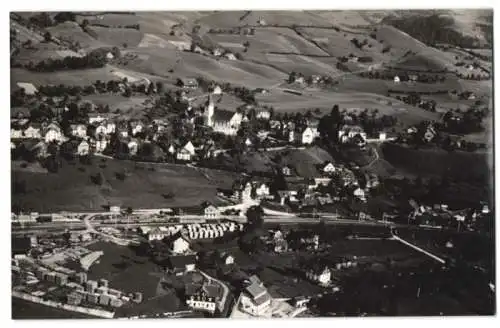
{"x":328,"y":168}
{"x":255,"y":299}
{"x":263,"y":114}
{"x":53,"y":133}
{"x":83,"y":148}
{"x":209,"y":210}
{"x":78,"y":130}
{"x":188,"y":83}
{"x":179,"y":245}
{"x":319,"y":274}
{"x":306,"y":136}
{"x":33,"y":131}
{"x":133,"y":146}
{"x":348,"y":132}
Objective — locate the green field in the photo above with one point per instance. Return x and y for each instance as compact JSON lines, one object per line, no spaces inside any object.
{"x":72,"y":189}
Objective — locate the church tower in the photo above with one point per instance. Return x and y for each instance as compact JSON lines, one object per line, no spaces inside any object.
{"x":209,"y":111}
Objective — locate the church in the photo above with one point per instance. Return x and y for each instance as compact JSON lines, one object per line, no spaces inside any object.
{"x":220,"y":120}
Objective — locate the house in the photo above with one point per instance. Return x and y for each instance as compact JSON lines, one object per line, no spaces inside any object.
{"x":188,"y":83}
{"x":429,"y":134}
{"x":155,"y":234}
{"x":320,"y":274}
{"x":348,"y":132}
{"x":100,"y":144}
{"x":83,"y":148}
{"x":100,"y":130}
{"x":210,"y":211}
{"x":382,"y":136}
{"x":217,"y":51}
{"x":263,"y":114}
{"x":96,"y":118}
{"x":32,"y":131}
{"x":16,"y":133}
{"x":227,"y":259}
{"x":184,"y":155}
{"x":329,"y":168}
{"x":133,"y":147}
{"x":52,"y":132}
{"x":255,"y":298}
{"x":262,"y":190}
{"x":306,"y":136}
{"x":201,"y":302}
{"x":217,"y":90}
{"x":109,"y":56}
{"x":290,"y":195}
{"x":190,"y":148}
{"x":181,"y":264}
{"x":136,"y":127}
{"x":397,"y":79}
{"x":286,"y":170}
{"x":110,"y":127}
{"x":180,"y":245}
{"x":230,"y":56}
{"x":171,"y":149}
{"x":359,"y":193}
{"x":78,"y":130}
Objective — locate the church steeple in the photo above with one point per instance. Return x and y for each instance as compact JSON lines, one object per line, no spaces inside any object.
{"x":209,"y":111}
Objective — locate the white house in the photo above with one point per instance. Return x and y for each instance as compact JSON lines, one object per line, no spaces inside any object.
{"x":382,"y":136}
{"x":230,"y":56}
{"x":359,"y":193}
{"x":286,"y":170}
{"x":78,"y":130}
{"x":217,"y":90}
{"x":307,"y":136}
{"x":32,"y":132}
{"x":348,"y":132}
{"x":210,"y":211}
{"x":263,"y":114}
{"x":227,"y":259}
{"x":137,"y":127}
{"x":110,"y":127}
{"x":100,"y":130}
{"x":171,"y":149}
{"x":100,"y":145}
{"x":255,"y":299}
{"x":397,"y":79}
{"x":329,"y":168}
{"x":155,"y":234}
{"x":321,"y":275}
{"x":180,"y":246}
{"x":16,"y":134}
{"x":262,"y":190}
{"x":83,"y":148}
{"x":133,"y":146}
{"x":96,"y":118}
{"x":53,"y":133}
{"x":190,"y":148}
{"x":183,"y":155}
{"x":201,"y":303}
{"x":248,"y":142}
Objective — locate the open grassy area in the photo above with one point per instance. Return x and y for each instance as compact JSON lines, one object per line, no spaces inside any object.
{"x":72,"y":189}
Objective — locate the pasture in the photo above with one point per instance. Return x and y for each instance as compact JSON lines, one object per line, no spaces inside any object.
{"x":142,"y":189}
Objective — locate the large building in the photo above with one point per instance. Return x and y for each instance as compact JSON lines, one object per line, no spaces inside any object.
{"x":222,"y":121}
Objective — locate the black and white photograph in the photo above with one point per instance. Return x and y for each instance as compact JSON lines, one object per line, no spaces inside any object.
{"x":252,"y":164}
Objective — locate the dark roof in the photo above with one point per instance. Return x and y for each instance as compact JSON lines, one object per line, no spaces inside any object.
{"x":223,"y":115}
{"x":180,"y":262}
